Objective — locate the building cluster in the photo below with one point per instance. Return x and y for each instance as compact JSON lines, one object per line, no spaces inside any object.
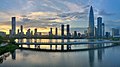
{"x":65,"y":31}
{"x":93,"y":31}
{"x":99,"y":30}
{"x":115,"y":32}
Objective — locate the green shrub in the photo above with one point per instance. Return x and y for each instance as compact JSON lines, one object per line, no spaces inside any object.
{"x":8,"y":48}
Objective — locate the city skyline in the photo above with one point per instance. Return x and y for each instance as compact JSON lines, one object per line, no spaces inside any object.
{"x":59,"y":33}
{"x":76,"y":16}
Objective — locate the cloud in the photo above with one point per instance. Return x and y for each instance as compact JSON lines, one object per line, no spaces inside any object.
{"x":46,"y":13}
{"x":112,"y":24}
{"x":104,"y":13}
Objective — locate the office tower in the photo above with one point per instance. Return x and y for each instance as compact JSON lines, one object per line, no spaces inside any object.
{"x":99,"y":27}
{"x":21,"y":28}
{"x":79,"y":34}
{"x":86,"y":32}
{"x":68,"y":30}
{"x":96,"y":32}
{"x":28,"y":33}
{"x":103,"y":29}
{"x":18,"y":31}
{"x":50,"y":31}
{"x":107,"y":34}
{"x":91,"y":23}
{"x":62,"y":30}
{"x":115,"y":32}
{"x":35,"y":32}
{"x":75,"y":33}
{"x":13,"y":25}
{"x":56,"y":31}
{"x":31,"y":33}
{"x":21,"y":31}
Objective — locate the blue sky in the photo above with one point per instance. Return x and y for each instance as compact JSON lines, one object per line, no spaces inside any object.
{"x":52,"y":13}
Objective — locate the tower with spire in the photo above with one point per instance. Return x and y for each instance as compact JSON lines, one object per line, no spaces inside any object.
{"x":91,"y":23}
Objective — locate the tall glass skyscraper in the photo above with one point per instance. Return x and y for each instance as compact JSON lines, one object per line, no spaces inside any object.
{"x":21,"y":28}
{"x":56,"y":31}
{"x":91,"y":23}
{"x":13,"y":25}
{"x":68,"y":29}
{"x":99,"y":26}
{"x":62,"y":30}
{"x":103,"y":29}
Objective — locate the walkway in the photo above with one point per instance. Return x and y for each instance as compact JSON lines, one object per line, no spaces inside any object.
{"x":69,"y":43}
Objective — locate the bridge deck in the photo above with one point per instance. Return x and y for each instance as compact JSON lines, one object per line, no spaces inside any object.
{"x":70,"y":43}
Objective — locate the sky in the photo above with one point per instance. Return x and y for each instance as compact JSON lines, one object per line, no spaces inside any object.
{"x":43,"y":14}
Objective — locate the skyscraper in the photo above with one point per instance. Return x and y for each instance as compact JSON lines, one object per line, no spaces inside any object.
{"x":18,"y":31}
{"x":75,"y":33}
{"x":13,"y":25}
{"x":21,"y":31}
{"x":21,"y":28}
{"x":115,"y":32}
{"x":91,"y":23}
{"x":99,"y":26}
{"x":56,"y":31}
{"x":62,"y":30}
{"x":35,"y":32}
{"x":103,"y":29}
{"x":68,"y":30}
{"x":28,"y":33}
{"x":51,"y":31}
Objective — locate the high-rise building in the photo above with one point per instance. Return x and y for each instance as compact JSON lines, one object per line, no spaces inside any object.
{"x":35,"y":31}
{"x":56,"y":31}
{"x":99,"y":27}
{"x":79,"y":34}
{"x":28,"y":33}
{"x":91,"y":23}
{"x":21,"y":28}
{"x":18,"y":31}
{"x":96,"y":32}
{"x":13,"y":26}
{"x":31,"y":33}
{"x":107,"y":34}
{"x":51,"y":31}
{"x":103,"y":29}
{"x":62,"y":30}
{"x":68,"y":30}
{"x":115,"y":32}
{"x":75,"y":33}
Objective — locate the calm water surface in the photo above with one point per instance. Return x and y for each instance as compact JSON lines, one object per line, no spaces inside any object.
{"x":106,"y":57}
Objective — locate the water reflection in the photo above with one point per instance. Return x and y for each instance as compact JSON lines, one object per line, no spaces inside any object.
{"x":6,"y":55}
{"x":90,"y":58}
{"x":13,"y":55}
{"x":91,"y":55}
{"x":100,"y":52}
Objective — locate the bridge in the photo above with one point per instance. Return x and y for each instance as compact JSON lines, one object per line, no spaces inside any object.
{"x":37,"y":45}
{"x":66,"y":43}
